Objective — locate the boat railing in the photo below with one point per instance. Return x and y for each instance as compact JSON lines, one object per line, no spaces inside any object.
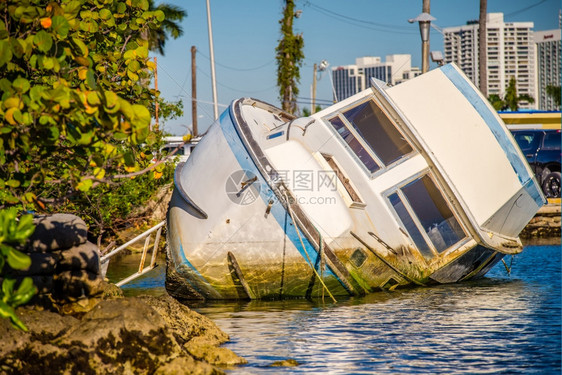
{"x":147,"y":237}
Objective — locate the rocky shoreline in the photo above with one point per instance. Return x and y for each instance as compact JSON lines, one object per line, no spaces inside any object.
{"x":545,"y":224}
{"x":136,"y":335}
{"x":79,"y":323}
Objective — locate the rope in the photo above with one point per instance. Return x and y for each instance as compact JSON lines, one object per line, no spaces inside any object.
{"x":304,"y":249}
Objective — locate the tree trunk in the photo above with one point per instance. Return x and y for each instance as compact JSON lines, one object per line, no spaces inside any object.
{"x":482,"y":49}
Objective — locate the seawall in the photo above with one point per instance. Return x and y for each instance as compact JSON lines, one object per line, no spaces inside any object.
{"x":546,"y":223}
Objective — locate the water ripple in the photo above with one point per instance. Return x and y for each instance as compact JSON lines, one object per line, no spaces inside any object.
{"x":501,"y":324}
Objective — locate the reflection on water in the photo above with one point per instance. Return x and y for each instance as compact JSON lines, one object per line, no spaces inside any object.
{"x":124,"y":265}
{"x":500,"y":324}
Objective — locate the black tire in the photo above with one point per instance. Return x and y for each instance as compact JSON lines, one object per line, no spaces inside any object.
{"x":551,"y":185}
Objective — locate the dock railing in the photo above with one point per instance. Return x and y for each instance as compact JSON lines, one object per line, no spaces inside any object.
{"x":147,"y":237}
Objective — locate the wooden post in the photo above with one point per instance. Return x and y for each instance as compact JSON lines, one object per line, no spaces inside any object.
{"x":156,"y":107}
{"x":193,"y":92}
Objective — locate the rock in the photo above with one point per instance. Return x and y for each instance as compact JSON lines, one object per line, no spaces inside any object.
{"x":212,"y":354}
{"x":123,"y":336}
{"x":545,"y":224}
{"x":41,"y":264}
{"x":55,"y":232}
{"x":85,"y":256}
{"x":74,"y":284}
{"x":114,"y":319}
{"x":198,"y":334}
{"x":285,"y":363}
{"x":186,"y":365}
{"x":185,"y":323}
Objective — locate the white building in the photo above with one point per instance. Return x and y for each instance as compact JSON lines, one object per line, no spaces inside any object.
{"x":510,"y":50}
{"x":348,"y":80}
{"x":547,"y":50}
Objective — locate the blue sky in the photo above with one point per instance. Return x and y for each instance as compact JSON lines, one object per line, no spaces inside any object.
{"x":245,"y":34}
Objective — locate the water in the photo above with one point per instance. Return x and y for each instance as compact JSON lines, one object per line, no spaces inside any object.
{"x":501,"y":324}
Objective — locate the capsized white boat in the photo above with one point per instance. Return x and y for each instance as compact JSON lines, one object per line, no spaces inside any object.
{"x":419,"y":183}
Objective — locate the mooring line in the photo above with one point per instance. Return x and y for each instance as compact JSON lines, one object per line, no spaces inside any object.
{"x":304,"y":248}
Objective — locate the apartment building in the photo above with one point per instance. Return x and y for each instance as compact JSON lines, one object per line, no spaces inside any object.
{"x":547,"y":51}
{"x":348,"y":80}
{"x":510,"y":53}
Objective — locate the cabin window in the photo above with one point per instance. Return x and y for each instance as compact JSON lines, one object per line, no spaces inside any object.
{"x":354,"y":144}
{"x":427,"y":216}
{"x":410,"y":225}
{"x":378,"y":131}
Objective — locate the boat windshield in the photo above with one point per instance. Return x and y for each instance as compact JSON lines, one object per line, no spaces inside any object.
{"x":372,"y":124}
{"x":426,"y":215}
{"x":354,"y":144}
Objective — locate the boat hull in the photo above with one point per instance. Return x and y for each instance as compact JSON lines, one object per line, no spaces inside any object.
{"x":247,"y":243}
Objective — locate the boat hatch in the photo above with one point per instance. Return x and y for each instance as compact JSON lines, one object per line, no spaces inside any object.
{"x":370,"y":134}
{"x":426,"y":216}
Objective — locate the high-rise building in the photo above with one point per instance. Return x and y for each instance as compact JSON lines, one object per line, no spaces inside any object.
{"x":510,"y":53}
{"x":547,"y":45}
{"x":350,"y":79}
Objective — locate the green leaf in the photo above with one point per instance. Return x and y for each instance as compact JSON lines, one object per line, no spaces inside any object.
{"x":91,"y":79}
{"x":142,"y":52}
{"x":25,"y":228}
{"x":126,"y":109}
{"x":18,"y":47}
{"x":7,"y":311}
{"x":93,"y":99}
{"x":142,"y":115}
{"x":25,"y":292}
{"x":35,"y":92}
{"x":13,"y":183}
{"x":132,"y":76}
{"x":129,"y":159}
{"x":84,"y":185}
{"x":5,"y":52}
{"x":133,"y":66}
{"x":21,"y":85}
{"x":160,"y":16}
{"x":80,"y":47}
{"x":18,"y":260}
{"x":8,"y":288}
{"x":129,"y":54}
{"x":43,"y":41}
{"x":72,"y":8}
{"x":89,"y":26}
{"x":60,"y":26}
{"x":105,"y":14}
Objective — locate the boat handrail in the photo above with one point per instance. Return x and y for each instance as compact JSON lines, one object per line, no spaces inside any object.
{"x":146,"y":236}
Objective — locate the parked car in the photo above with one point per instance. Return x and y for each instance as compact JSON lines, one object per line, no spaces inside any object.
{"x":185,"y":149}
{"x":541,"y":147}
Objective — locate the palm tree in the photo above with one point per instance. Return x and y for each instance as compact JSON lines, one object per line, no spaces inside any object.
{"x":289,"y":55}
{"x":511,"y":99}
{"x":171,"y":26}
{"x":482,"y":66}
{"x":554,"y":93}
